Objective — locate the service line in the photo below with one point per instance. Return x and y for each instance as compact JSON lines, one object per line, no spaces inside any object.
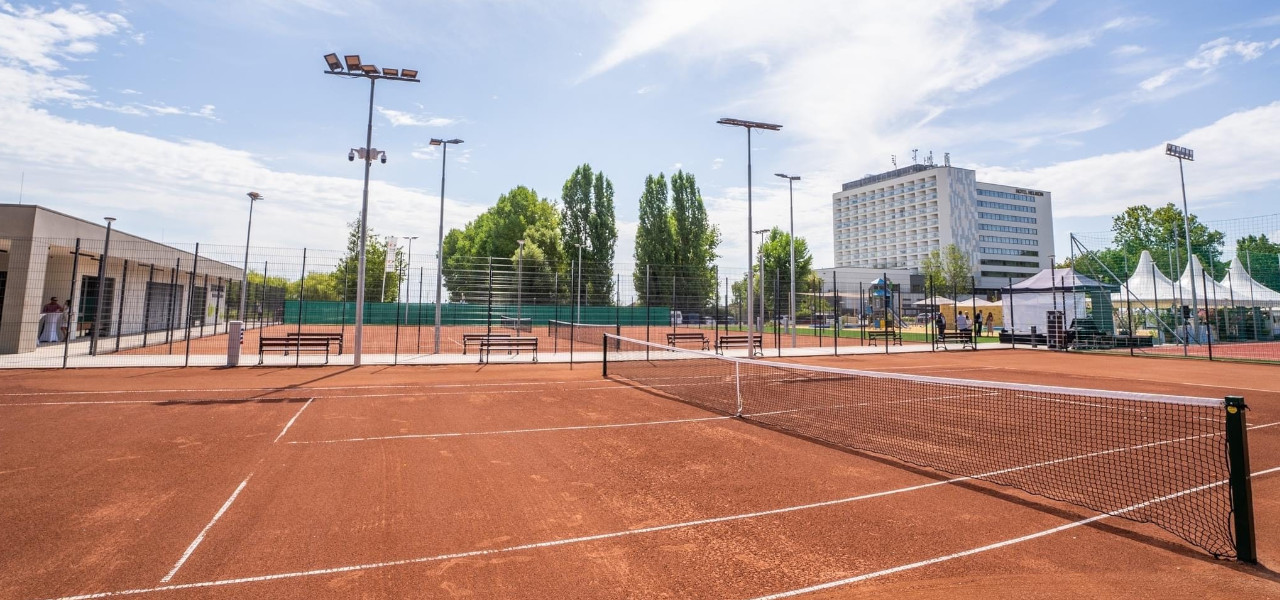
{"x":290,"y":423}
{"x":200,"y":538}
{"x":412,"y":436}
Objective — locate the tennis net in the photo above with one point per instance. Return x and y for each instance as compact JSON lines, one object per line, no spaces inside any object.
{"x":582,"y":335}
{"x":1148,"y":458}
{"x":517,"y":324}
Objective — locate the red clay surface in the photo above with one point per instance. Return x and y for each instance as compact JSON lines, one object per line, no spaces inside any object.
{"x":355,"y":484}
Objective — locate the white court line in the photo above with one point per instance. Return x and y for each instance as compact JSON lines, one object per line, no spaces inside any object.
{"x":290,"y":389}
{"x":199,"y":538}
{"x":1039,"y":534}
{"x":589,"y":538}
{"x":512,"y":431}
{"x":290,"y":423}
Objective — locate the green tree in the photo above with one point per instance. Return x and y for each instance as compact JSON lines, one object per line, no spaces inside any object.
{"x":1160,"y":231}
{"x":696,"y":240}
{"x":935,"y":278}
{"x":777,"y":267}
{"x":957,"y":270}
{"x":518,"y":214}
{"x":320,"y":287}
{"x":588,"y":223}
{"x":1261,"y":257}
{"x":375,"y":261}
{"x":655,"y":242}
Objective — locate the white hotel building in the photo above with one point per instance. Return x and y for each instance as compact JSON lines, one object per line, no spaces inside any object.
{"x":893,"y":220}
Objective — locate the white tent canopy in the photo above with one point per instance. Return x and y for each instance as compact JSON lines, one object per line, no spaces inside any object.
{"x":1208,"y":292}
{"x":1148,"y":285}
{"x":1244,"y":290}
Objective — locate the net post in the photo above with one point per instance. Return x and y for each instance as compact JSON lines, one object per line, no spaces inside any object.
{"x":604,"y":366}
{"x":1241,"y":487}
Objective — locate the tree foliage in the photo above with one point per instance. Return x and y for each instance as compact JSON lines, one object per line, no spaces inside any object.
{"x":588,"y":223}
{"x":375,"y":261}
{"x":675,"y":244}
{"x":1161,"y":231}
{"x":518,"y":214}
{"x":948,"y":271}
{"x":1261,"y":257}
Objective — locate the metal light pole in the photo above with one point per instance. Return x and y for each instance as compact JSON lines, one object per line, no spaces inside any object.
{"x":761,"y":232}
{"x":749,"y":125}
{"x":440,"y":239}
{"x":356,"y":69}
{"x":102,"y":293}
{"x":791,"y":208}
{"x":519,"y":285}
{"x":1182,"y":154}
{"x":408,"y":269}
{"x":244,"y":275}
{"x":577,"y":300}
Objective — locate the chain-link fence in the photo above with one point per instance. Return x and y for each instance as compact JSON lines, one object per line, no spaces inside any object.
{"x":1151,"y":298}
{"x":73,"y":302}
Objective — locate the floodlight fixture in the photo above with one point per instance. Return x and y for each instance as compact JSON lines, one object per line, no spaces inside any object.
{"x":788,"y":177}
{"x":444,"y":158}
{"x":749,"y":125}
{"x":356,"y":68}
{"x":1180,"y":152}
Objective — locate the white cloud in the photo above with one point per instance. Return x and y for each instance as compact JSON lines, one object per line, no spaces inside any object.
{"x":1234,"y":155}
{"x":182,"y":189}
{"x":399,"y":117}
{"x":1128,"y":50}
{"x":817,"y":64}
{"x":1208,"y":58}
{"x":645,"y":89}
{"x":716,"y":164}
{"x":37,"y":39}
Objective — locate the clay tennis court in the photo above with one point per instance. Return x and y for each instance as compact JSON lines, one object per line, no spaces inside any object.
{"x":551,"y":481}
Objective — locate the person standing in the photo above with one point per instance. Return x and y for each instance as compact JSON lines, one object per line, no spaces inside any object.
{"x":990,"y":321}
{"x":977,"y":324}
{"x":67,"y":322}
{"x":49,"y":316}
{"x":941,"y":323}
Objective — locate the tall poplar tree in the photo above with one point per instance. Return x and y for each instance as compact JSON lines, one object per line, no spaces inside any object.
{"x":588,"y":222}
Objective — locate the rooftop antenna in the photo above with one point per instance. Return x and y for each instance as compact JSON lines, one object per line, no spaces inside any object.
{"x":946,"y":158}
{"x":22,"y":184}
{"x":929,"y":160}
{"x":913,"y":155}
{"x":893,"y":158}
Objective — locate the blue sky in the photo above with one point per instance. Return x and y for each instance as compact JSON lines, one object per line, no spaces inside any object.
{"x":165,"y":114}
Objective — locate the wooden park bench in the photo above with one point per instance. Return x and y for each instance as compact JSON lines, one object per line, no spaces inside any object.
{"x":753,"y":342}
{"x":474,"y":339}
{"x":328,"y":336}
{"x":510,"y":344}
{"x":295,"y":343}
{"x":964,"y":338}
{"x":890,"y":336}
{"x":674,"y":338}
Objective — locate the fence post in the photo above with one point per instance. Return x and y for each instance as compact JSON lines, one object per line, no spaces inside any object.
{"x":648,"y":309}
{"x":1013,"y":331}
{"x":835,"y":311}
{"x":191,"y":300}
{"x":71,"y":326}
{"x":124,"y":276}
{"x":204,"y":310}
{"x":146,"y":303}
{"x":488,"y":317}
{"x":417,"y":348}
{"x":302,"y":306}
{"x":173,"y":304}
